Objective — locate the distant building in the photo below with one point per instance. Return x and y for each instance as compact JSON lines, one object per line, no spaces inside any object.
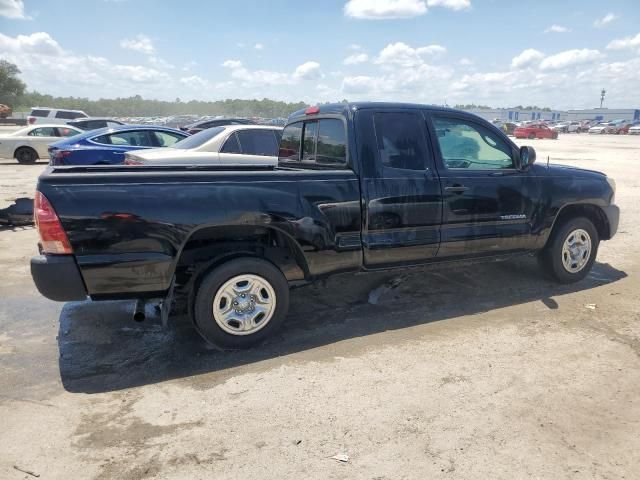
{"x":605,"y":114}
{"x":518,"y":115}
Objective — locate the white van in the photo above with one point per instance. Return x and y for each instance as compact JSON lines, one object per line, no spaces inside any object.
{"x":53,"y":115}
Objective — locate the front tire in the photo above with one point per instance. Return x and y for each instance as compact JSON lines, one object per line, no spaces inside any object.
{"x":241,"y":303}
{"x":571,"y":250}
{"x":26,"y":156}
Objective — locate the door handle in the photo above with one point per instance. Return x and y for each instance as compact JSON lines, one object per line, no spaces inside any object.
{"x":456,"y":189}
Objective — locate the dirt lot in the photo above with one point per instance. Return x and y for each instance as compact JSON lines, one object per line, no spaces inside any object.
{"x":483,"y":372}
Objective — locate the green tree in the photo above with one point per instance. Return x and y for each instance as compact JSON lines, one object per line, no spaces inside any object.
{"x":11,"y":87}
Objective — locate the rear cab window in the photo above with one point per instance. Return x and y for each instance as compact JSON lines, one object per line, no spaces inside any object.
{"x":40,"y":113}
{"x":317,"y":143}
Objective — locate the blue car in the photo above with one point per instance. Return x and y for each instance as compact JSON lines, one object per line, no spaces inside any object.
{"x":107,"y":146}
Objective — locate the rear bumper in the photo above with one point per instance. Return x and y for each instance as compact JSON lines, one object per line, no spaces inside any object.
{"x":58,"y":277}
{"x":613,"y":217}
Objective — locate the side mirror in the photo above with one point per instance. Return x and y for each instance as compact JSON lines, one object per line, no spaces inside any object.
{"x":527,"y":157}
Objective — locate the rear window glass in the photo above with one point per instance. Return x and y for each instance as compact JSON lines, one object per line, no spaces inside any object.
{"x":40,"y":113}
{"x":309,"y":141}
{"x":290,"y":143}
{"x":198,"y":139}
{"x":332,"y":143}
{"x":258,"y":142}
{"x":68,"y":115}
{"x":231,"y":145}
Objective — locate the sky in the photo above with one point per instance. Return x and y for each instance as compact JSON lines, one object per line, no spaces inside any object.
{"x":494,"y":52}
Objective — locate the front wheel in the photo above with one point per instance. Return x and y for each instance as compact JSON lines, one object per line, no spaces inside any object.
{"x":571,"y":250}
{"x":241,"y":303}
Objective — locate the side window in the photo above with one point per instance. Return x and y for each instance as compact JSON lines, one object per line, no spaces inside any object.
{"x":135,"y":138}
{"x":166,"y":139}
{"x":68,"y":115}
{"x":231,"y":145}
{"x":309,"y":141}
{"x":400,"y":140}
{"x":257,"y":142}
{"x":43,"y":132}
{"x":465,"y":144}
{"x":95,"y":124}
{"x":332,"y":143}
{"x":39,"y":113}
{"x":290,"y":143}
{"x":66,"y":132}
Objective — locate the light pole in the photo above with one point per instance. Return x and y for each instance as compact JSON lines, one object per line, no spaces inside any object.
{"x":602,"y":94}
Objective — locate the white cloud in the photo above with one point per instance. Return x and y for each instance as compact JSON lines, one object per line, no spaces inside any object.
{"x":403,"y":55}
{"x":384,"y":9}
{"x":141,"y":43}
{"x":355,"y":46}
{"x":258,"y":46}
{"x":465,"y":62}
{"x":624,"y":43}
{"x":160,"y":63}
{"x":569,"y":58}
{"x":47,"y":67}
{"x":308,"y":71}
{"x":557,"y":29}
{"x":13,"y":9}
{"x":528,"y":57}
{"x":356,"y":58}
{"x":39,"y":43}
{"x":452,"y":4}
{"x":232,"y":64}
{"x":601,"y":22}
{"x":194,"y":81}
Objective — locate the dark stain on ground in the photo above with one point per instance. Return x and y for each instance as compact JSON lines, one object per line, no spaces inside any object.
{"x":102,"y":349}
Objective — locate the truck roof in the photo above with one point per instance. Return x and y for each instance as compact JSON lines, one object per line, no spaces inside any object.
{"x":344,"y":108}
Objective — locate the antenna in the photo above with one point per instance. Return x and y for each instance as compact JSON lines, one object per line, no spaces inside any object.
{"x":547,"y":162}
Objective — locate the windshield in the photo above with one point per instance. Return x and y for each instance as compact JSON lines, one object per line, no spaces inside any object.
{"x":198,"y":139}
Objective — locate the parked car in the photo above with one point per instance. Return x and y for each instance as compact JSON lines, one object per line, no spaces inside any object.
{"x":230,"y":145}
{"x":600,"y":128}
{"x":5,"y":111}
{"x":53,"y":115}
{"x":567,"y":127}
{"x":616,"y":127}
{"x":30,"y":143}
{"x":93,"y":123}
{"x":108,"y":145}
{"x":535,"y":130}
{"x":216,"y":122}
{"x":508,"y":128}
{"x":634,"y":129}
{"x":360,"y":187}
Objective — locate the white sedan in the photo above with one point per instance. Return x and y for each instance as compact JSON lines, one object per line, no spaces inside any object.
{"x":239,"y":145}
{"x":30,"y":143}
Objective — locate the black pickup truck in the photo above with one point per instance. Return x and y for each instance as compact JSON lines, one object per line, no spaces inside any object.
{"x":359,"y":187}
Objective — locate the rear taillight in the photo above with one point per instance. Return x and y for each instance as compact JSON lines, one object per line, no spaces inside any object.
{"x":59,"y":156}
{"x":31,"y":120}
{"x":52,"y":236}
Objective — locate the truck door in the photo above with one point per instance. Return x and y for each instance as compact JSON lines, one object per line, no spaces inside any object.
{"x":488,"y":203}
{"x":401,"y":193}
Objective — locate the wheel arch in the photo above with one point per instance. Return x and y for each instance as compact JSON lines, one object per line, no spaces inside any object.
{"x":588,"y":210}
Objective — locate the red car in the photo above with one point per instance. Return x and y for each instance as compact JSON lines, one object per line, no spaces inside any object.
{"x":537,"y":130}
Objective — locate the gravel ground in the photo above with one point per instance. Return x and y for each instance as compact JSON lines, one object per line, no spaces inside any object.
{"x":482,"y":372}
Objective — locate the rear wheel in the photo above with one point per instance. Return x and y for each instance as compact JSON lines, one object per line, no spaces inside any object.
{"x":571,"y":250}
{"x":241,"y":303}
{"x":26,"y":155}
{"x":531,"y":136}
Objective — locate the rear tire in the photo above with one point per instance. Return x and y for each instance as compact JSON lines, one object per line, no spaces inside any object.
{"x":571,"y":250}
{"x":241,"y":303}
{"x":531,"y":136}
{"x":26,"y":156}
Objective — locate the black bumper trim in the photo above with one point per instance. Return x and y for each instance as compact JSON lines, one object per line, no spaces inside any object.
{"x":58,"y":277}
{"x":613,"y":217}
